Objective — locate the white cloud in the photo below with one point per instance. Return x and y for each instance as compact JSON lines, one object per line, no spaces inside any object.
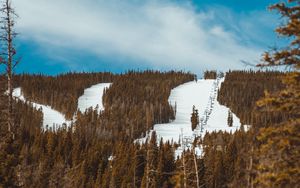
{"x":155,"y":33}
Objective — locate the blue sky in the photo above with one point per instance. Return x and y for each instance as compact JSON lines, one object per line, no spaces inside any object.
{"x":95,"y":35}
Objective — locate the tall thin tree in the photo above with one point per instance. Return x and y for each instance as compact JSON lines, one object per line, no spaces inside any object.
{"x":8,"y":53}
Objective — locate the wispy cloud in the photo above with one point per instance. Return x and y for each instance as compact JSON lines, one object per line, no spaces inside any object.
{"x":154,"y":33}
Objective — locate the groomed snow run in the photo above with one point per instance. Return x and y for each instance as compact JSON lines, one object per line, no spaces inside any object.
{"x":51,"y":118}
{"x":203,"y":95}
{"x":217,"y":120}
{"x":92,"y":97}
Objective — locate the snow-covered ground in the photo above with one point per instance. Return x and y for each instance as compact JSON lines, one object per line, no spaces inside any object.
{"x":218,"y":117}
{"x":51,"y":118}
{"x":203,"y":95}
{"x":92,"y":97}
{"x":185,"y":96}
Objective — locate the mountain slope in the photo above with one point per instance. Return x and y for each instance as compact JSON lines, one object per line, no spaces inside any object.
{"x":201,"y":94}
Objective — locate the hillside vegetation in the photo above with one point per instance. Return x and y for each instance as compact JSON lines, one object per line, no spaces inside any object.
{"x":99,"y":149}
{"x":242,"y":89}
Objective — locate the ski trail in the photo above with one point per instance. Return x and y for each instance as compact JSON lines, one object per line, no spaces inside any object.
{"x":92,"y":97}
{"x":213,"y":116}
{"x":184,"y":97}
{"x":51,"y":118}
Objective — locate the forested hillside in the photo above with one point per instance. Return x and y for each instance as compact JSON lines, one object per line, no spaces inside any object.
{"x":241,"y":130}
{"x":61,"y":92}
{"x":242,"y":89}
{"x":99,"y":149}
{"x":55,"y":158}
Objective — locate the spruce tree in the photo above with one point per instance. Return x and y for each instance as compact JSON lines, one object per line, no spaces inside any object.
{"x":230,"y":119}
{"x":278,"y":144}
{"x":194,"y":118}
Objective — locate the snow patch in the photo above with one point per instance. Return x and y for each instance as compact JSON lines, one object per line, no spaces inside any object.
{"x":92,"y":97}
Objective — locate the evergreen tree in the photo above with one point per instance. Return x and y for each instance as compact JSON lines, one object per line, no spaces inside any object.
{"x":195,"y":118}
{"x":230,"y":119}
{"x":278,"y":144}
{"x":210,"y":75}
{"x":150,"y":172}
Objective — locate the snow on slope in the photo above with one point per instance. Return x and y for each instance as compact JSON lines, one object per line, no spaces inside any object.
{"x":51,"y":118}
{"x":203,"y":95}
{"x":92,"y":97}
{"x":218,"y":118}
{"x":184,"y":96}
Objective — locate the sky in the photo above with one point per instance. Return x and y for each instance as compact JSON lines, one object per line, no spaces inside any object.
{"x":60,"y":36}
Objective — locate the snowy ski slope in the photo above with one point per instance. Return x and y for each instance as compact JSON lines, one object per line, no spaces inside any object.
{"x":92,"y":97}
{"x":51,"y":118}
{"x":202,"y":94}
{"x":218,"y":118}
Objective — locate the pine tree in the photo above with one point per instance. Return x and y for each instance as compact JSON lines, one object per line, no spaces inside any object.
{"x":195,"y":118}
{"x":230,"y":160}
{"x":278,"y":144}
{"x":150,"y":172}
{"x":230,"y":119}
{"x":219,"y":171}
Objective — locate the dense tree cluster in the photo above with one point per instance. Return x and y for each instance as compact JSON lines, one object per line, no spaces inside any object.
{"x":28,"y":121}
{"x":210,"y":75}
{"x":278,"y":143}
{"x":241,"y":90}
{"x":272,"y":141}
{"x":225,"y":159}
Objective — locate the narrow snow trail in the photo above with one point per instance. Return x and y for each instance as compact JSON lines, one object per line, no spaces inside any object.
{"x":201,"y":94}
{"x":218,"y":118}
{"x":92,"y":97}
{"x":184,"y":96}
{"x":51,"y":118}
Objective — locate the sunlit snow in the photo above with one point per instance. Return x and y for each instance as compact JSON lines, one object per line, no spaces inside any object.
{"x":92,"y":97}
